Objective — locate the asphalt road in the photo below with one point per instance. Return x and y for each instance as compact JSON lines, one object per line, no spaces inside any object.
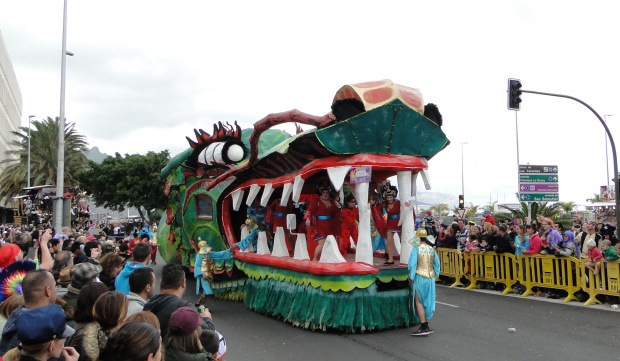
{"x":469,"y":325}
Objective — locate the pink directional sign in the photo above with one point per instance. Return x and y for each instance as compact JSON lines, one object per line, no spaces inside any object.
{"x":539,"y":187}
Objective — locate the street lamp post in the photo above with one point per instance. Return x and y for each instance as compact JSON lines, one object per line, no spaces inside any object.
{"x":606,"y":154}
{"x":60,"y":171}
{"x":28,"y":179}
{"x":462,"y":171}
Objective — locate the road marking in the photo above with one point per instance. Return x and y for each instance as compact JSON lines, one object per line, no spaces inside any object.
{"x":447,"y":304}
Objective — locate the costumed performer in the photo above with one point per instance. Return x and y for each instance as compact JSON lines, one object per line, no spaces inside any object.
{"x":277,"y":218}
{"x":392,"y":209}
{"x":255,"y":222}
{"x":203,"y":272}
{"x":322,"y":218}
{"x":423,"y":268}
{"x":350,"y":217}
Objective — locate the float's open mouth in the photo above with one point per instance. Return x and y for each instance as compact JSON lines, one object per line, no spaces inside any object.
{"x":302,"y":184}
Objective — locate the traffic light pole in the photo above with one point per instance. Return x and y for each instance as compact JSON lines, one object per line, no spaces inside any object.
{"x":611,"y":141}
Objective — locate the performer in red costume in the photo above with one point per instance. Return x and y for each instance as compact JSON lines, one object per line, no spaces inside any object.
{"x":392,"y":208}
{"x":322,"y":218}
{"x":350,"y":214}
{"x":277,"y":218}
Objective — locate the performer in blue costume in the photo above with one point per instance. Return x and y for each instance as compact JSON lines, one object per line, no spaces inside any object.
{"x":423,"y":268}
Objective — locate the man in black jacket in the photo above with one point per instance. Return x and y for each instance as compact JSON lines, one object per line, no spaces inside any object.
{"x":172,"y":287}
{"x":505,"y":244}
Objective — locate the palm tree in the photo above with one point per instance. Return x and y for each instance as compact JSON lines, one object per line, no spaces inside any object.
{"x":567,"y":206}
{"x":595,"y":198}
{"x":537,"y":208}
{"x":43,"y":157}
{"x":440,"y":209}
{"x":471,"y":211}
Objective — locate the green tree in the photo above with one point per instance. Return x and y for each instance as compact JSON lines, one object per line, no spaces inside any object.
{"x":43,"y":157}
{"x":544,"y":209}
{"x":440,"y":209}
{"x":567,"y":206}
{"x":595,"y":198}
{"x":133,"y":181}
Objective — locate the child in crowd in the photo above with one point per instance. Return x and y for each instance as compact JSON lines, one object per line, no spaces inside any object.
{"x":594,"y":255}
{"x":484,"y":245}
{"x":349,"y":217}
{"x":617,"y":248}
{"x":608,"y":252}
{"x":471,"y":245}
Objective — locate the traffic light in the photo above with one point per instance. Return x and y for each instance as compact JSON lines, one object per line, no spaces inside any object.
{"x":514,"y":94}
{"x":461,"y":202}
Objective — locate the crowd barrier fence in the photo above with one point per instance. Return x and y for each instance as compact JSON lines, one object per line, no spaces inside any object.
{"x":546,"y":271}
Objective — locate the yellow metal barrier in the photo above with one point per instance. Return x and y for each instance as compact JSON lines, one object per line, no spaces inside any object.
{"x":452,"y":264}
{"x":605,"y":283}
{"x":563,"y":273}
{"x":493,"y":267}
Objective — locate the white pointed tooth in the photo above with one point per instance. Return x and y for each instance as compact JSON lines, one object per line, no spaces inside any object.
{"x":414,"y":188}
{"x":363,"y":248}
{"x":299,"y":184}
{"x":397,"y":243}
{"x":262,"y":247}
{"x":266,"y":194}
{"x":291,"y":222}
{"x":301,"y":248}
{"x":330,"y":253}
{"x":286,"y":193}
{"x":279,"y":244}
{"x":254,"y":189}
{"x":404,"y":184}
{"x":427,"y":179}
{"x":337,"y":175}
{"x":237,"y":197}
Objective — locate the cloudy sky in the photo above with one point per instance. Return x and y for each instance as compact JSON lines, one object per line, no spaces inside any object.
{"x":146,"y":73}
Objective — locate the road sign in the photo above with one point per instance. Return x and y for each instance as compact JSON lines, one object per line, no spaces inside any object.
{"x":538,"y":178}
{"x":539,"y":187}
{"x":461,"y":212}
{"x":539,"y":197}
{"x":538,"y":183}
{"x":538,"y":168}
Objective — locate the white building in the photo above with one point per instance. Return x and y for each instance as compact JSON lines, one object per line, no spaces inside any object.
{"x":10,"y":113}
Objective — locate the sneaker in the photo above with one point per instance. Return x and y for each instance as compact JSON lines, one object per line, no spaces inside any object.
{"x":422,"y":331}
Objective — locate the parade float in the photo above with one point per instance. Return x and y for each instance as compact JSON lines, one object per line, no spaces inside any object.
{"x":375,"y":130}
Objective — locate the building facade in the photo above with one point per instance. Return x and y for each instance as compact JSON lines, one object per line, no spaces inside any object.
{"x":10,"y":115}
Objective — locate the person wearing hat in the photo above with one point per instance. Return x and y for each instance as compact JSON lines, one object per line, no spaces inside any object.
{"x":608,"y":233}
{"x":423,"y":268}
{"x":182,"y":343}
{"x":488,"y":217}
{"x":42,"y":333}
{"x":322,"y":218}
{"x":81,"y":275}
{"x":392,"y":209}
{"x":38,"y":289}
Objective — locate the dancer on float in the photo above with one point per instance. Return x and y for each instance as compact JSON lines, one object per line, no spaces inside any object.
{"x":322,"y":218}
{"x":423,"y":268}
{"x":392,"y":209}
{"x":350,"y":217}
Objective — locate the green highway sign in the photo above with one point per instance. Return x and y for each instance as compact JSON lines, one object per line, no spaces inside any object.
{"x":539,"y":197}
{"x":538,"y":178}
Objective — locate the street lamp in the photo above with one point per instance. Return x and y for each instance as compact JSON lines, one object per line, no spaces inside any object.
{"x":606,"y":156}
{"x":462,"y":171}
{"x":28,"y":179}
{"x":60,"y":171}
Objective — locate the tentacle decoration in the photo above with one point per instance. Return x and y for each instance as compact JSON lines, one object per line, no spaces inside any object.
{"x":265,"y":124}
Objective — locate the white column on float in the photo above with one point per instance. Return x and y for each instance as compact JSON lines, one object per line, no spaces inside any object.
{"x":279,"y":244}
{"x":363,"y":250}
{"x":404,"y":179}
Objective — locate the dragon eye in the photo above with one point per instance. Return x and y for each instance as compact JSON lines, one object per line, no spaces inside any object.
{"x":222,"y":153}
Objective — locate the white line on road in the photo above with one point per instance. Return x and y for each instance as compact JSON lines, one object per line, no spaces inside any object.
{"x":447,"y":304}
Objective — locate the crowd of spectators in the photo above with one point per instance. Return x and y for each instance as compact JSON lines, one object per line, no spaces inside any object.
{"x":590,"y":241}
{"x":85,"y":297}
